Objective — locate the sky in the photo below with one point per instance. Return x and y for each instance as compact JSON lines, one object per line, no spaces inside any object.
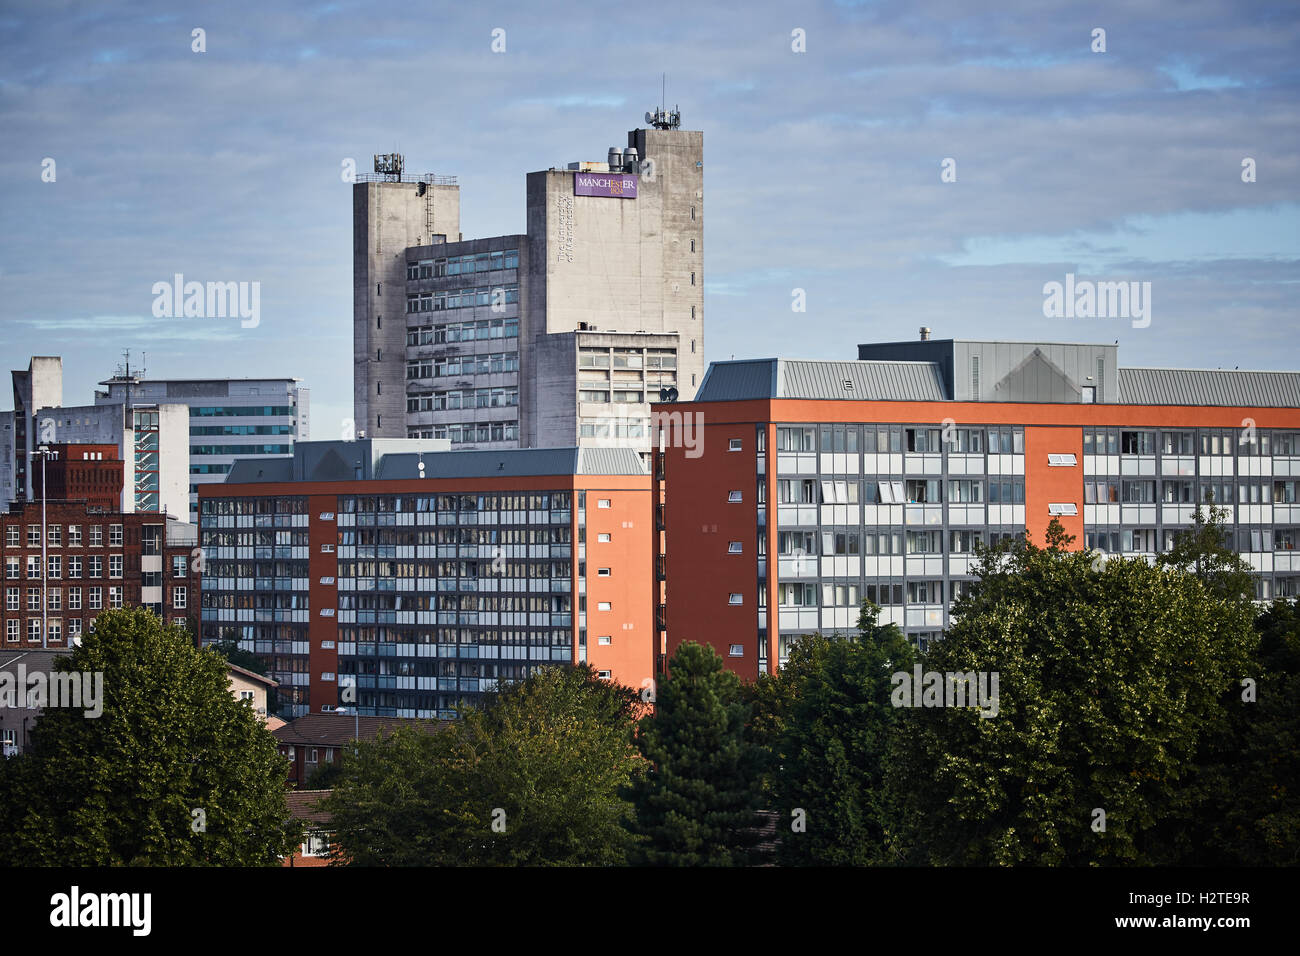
{"x":829,"y":132}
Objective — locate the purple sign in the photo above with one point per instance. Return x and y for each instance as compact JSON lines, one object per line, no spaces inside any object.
{"x":619,"y":185}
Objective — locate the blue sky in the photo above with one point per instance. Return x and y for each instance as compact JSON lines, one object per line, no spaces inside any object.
{"x":822,"y":168}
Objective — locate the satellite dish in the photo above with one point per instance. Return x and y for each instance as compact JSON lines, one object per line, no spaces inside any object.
{"x":649,"y":118}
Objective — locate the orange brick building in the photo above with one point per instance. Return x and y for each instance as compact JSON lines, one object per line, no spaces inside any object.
{"x":804,"y":487}
{"x":401,"y":578}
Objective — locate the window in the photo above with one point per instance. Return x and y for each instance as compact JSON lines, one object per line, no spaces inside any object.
{"x":1062,"y":508}
{"x":54,"y":599}
{"x":736,"y":598}
{"x":12,"y":599}
{"x":115,"y":596}
{"x":74,"y":535}
{"x":34,"y":629}
{"x":96,"y":536}
{"x":735,"y":547}
{"x":55,"y":536}
{"x":12,"y":534}
{"x":602,"y":572}
{"x":604,"y":606}
{"x":11,"y":568}
{"x":604,"y":675}
{"x":605,"y":640}
{"x":96,"y":598}
{"x":327,"y":549}
{"x":33,"y":599}
{"x":115,"y":565}
{"x":33,"y":536}
{"x":603,"y":538}
{"x":736,"y":650}
{"x":735,"y":445}
{"x":74,"y":599}
{"x":179,"y":597}
{"x":33,"y":565}
{"x":74,"y":566}
{"x":1137,"y":492}
{"x":11,"y":630}
{"x":1137,"y":443}
{"x":178,"y":565}
{"x":733,"y":496}
{"x":602,"y":502}
{"x":96,"y":566}
{"x":115,"y":536}
{"x":326,"y":675}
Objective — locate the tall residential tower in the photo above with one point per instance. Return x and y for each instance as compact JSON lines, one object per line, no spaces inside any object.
{"x":561,"y":335}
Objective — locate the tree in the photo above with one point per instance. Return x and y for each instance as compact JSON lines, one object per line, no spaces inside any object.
{"x":697,"y":804}
{"x":532,"y":777}
{"x":325,"y":776}
{"x":833,"y":744}
{"x":1206,"y":551}
{"x":174,"y":771}
{"x":1109,"y":679}
{"x":1251,"y":813}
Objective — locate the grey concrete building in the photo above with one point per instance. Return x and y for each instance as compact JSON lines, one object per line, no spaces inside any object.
{"x":559,"y":335}
{"x":151,"y":437}
{"x":227,"y":418}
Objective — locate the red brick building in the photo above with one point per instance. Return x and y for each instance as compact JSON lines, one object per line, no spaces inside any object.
{"x":89,"y":473}
{"x":64,"y":567}
{"x":315,"y":740}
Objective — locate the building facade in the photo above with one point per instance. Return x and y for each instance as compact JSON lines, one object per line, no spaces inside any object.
{"x":812,"y":486}
{"x":226,"y":419}
{"x":403,"y":579}
{"x":63,"y":567}
{"x":151,"y":440}
{"x":558,"y":336}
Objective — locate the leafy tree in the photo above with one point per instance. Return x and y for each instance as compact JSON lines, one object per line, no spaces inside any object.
{"x":697,"y":804}
{"x":325,"y":776}
{"x":1206,"y":551}
{"x":1251,"y":814}
{"x":174,"y":772}
{"x":833,"y":744}
{"x":533,"y":777}
{"x":1109,"y":679}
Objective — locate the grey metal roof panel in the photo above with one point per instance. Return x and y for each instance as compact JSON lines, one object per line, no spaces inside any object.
{"x":610,"y":461}
{"x":260,"y":469}
{"x":798,"y":378}
{"x":513,"y":462}
{"x":506,"y":463}
{"x":869,"y":381}
{"x":737,"y":381}
{"x":1184,"y":386}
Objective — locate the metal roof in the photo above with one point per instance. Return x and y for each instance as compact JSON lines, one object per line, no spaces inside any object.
{"x":798,"y":378}
{"x":513,"y":462}
{"x":1186,"y":386}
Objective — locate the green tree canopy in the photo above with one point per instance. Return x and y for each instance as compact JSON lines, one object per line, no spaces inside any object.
{"x":1110,"y":677}
{"x":697,"y":803}
{"x":533,"y":777}
{"x":832,"y":747}
{"x":174,"y":772}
